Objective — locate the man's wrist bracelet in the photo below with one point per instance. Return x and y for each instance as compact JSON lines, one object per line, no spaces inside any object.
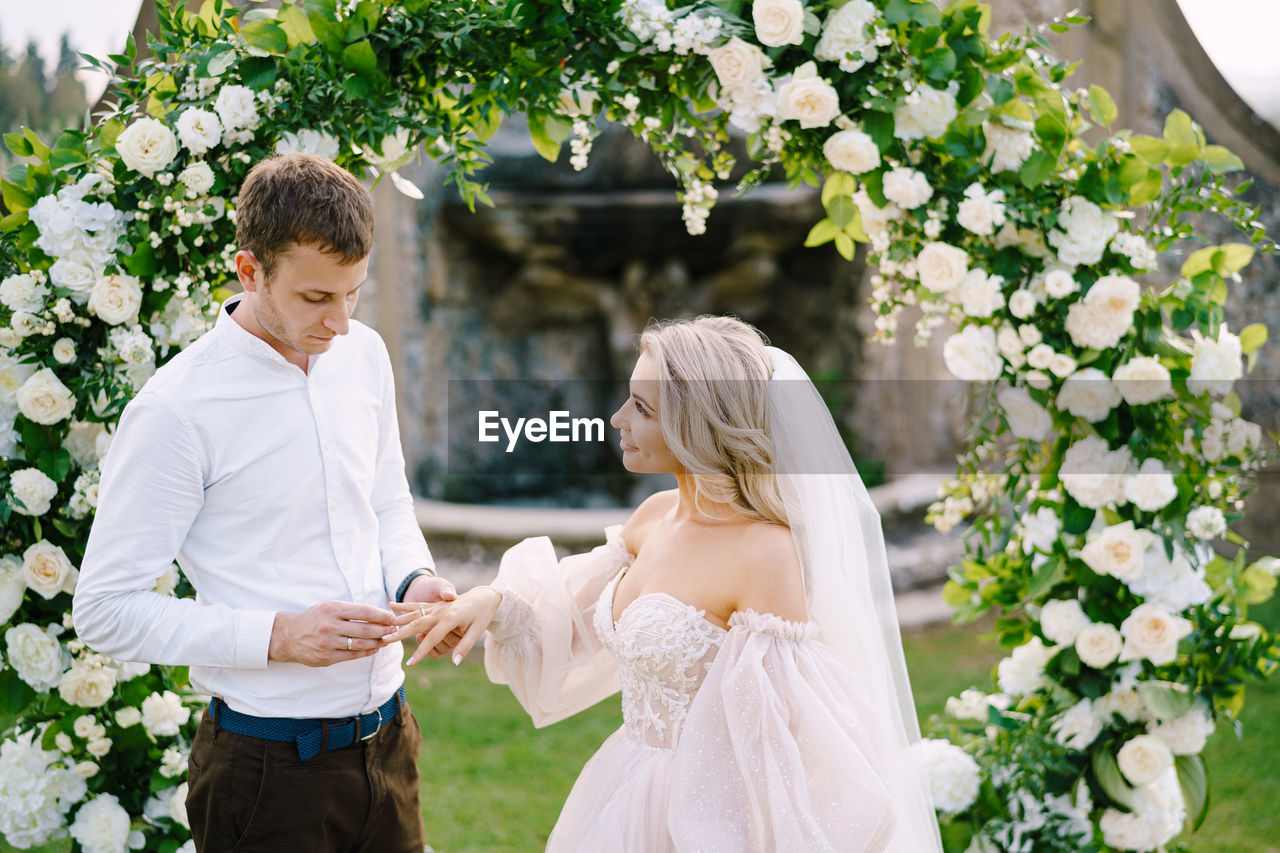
{"x":403,"y":589}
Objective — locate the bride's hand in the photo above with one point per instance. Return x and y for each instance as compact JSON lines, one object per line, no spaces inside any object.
{"x":454,"y":624}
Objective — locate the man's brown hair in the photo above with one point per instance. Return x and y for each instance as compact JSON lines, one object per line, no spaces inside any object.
{"x":303,"y":200}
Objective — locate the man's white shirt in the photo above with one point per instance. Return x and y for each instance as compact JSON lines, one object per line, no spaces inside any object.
{"x":276,"y":490}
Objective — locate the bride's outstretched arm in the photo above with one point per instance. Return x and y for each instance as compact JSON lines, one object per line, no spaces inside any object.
{"x":448,"y":626}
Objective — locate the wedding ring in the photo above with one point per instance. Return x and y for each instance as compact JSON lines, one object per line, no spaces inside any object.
{"x":348,"y":644}
{"x":422,"y":611}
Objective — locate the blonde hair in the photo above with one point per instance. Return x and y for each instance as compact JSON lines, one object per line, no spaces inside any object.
{"x":713,"y":405}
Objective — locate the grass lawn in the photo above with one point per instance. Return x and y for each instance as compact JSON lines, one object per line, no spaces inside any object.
{"x":494,"y":784}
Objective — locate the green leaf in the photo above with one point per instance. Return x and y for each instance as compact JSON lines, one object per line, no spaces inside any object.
{"x":55,"y":464}
{"x":296,"y":25}
{"x":360,"y":58}
{"x":18,"y":144}
{"x":1166,"y":701}
{"x":841,"y":210}
{"x":141,"y":263}
{"x":14,"y":220}
{"x":879,"y":126}
{"x":898,"y":11}
{"x":1046,"y":577}
{"x":1194,"y":782}
{"x":16,"y":198}
{"x":1147,"y":190}
{"x":845,"y":246}
{"x":1252,"y":336}
{"x":109,"y":133}
{"x":1112,"y":782}
{"x":1257,"y":585}
{"x":1076,"y":519}
{"x":940,"y":65}
{"x":1180,"y":131}
{"x":267,"y":35}
{"x":485,"y":126}
{"x":823,"y":232}
{"x":955,"y":595}
{"x":1036,"y":169}
{"x":1219,"y":159}
{"x":1000,"y":89}
{"x":542,"y":143}
{"x":38,"y":148}
{"x":355,"y":88}
{"x":1101,"y":105}
{"x":840,"y":183}
{"x":1233,"y":258}
{"x":1149,"y":148}
{"x":1199,"y":261}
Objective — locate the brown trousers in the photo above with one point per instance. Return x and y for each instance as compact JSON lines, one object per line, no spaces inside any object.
{"x":256,"y":796}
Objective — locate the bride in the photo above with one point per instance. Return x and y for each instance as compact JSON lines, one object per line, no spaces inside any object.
{"x":746,"y":616}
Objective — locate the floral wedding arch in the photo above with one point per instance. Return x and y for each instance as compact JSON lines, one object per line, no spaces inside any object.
{"x":1108,"y":460}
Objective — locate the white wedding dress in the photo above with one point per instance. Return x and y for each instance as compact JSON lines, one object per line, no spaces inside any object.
{"x":741,"y":740}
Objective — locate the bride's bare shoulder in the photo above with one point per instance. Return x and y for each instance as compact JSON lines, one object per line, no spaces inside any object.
{"x":769,"y":579}
{"x":645,"y":516}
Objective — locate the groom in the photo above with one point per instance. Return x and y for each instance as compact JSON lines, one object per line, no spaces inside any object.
{"x":266,"y":459}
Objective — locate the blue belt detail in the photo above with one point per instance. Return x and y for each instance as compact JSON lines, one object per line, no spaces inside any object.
{"x":308,"y":734}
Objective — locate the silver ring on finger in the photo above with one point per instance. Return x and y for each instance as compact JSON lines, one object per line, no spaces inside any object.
{"x":348,"y":644}
{"x":422,"y":611}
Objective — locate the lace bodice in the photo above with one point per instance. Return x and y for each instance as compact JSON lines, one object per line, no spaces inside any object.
{"x":664,"y":649}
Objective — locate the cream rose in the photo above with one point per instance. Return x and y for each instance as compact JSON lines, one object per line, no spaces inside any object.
{"x":47,"y":569}
{"x":1117,"y":550}
{"x":1098,"y":644}
{"x":13,"y":586}
{"x":197,"y":178}
{"x":1092,"y":474}
{"x":44,"y":399}
{"x":147,"y":146}
{"x":907,"y":188}
{"x":1187,"y":734}
{"x":852,"y":151}
{"x":1062,"y":620}
{"x":64,"y":351}
{"x":1022,"y":304}
{"x":1105,"y":314}
{"x":1088,"y":394}
{"x":116,"y":299}
{"x":1143,"y":759}
{"x":199,"y":130}
{"x":778,"y":22}
{"x":1007,"y":148}
{"x":87,"y":685}
{"x":972,"y":354}
{"x":1059,"y":283}
{"x":1216,"y":364}
{"x":1153,"y":633}
{"x":1152,"y":488}
{"x":941,"y":267}
{"x":1026,"y":418}
{"x":34,"y":489}
{"x":35,"y":655}
{"x":1143,"y":380}
{"x":925,"y":114}
{"x":738,"y":65}
{"x":808,"y":98}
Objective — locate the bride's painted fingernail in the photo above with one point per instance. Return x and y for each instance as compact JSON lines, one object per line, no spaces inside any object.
{"x":457,"y":659}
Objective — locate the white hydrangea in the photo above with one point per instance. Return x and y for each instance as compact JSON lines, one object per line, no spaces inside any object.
{"x":36,"y":791}
{"x":1062,"y":620}
{"x":1136,"y":249}
{"x":1157,"y":817}
{"x":1023,"y":671}
{"x":1216,"y":363}
{"x":925,"y":113}
{"x":237,"y":108}
{"x":102,"y":826}
{"x":954,"y":777}
{"x":694,"y":33}
{"x":1206,"y":522}
{"x":33,"y":488}
{"x":22,"y":293}
{"x":72,"y":228}
{"x":971,"y":704}
{"x":847,"y":36}
{"x":646,"y":18}
{"x":199,"y":130}
{"x":1007,"y":148}
{"x":1084,"y":231}
{"x":1078,"y":726}
{"x":1040,"y":530}
{"x":164,"y":714}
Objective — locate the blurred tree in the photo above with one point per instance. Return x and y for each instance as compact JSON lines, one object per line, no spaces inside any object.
{"x":67,"y":103}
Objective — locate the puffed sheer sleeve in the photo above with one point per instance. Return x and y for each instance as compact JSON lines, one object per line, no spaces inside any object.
{"x":542,"y":642}
{"x":773,"y":756}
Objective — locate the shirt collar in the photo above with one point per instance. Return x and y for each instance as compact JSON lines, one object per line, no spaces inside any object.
{"x":247,"y":342}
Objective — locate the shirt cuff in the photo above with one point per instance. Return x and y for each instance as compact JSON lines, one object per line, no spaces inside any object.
{"x":253,"y":638}
{"x":403,"y":589}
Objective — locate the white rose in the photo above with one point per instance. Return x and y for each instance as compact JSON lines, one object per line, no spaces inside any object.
{"x":1243,"y":436}
{"x":102,"y":825}
{"x":925,"y":114}
{"x":981,"y":212}
{"x":1062,"y":365}
{"x":954,"y":777}
{"x":86,"y":769}
{"x":1105,"y":314}
{"x":1098,"y":645}
{"x":21,"y":293}
{"x":738,"y":65}
{"x":1023,"y":671}
{"x":1152,"y":488}
{"x":778,"y":22}
{"x":64,"y":351}
{"x":1143,"y":380}
{"x":1127,"y":703}
{"x":844,"y":36}
{"x":1143,"y":758}
{"x":199,"y":130}
{"x":1083,"y":232}
{"x":197,"y":178}
{"x":147,"y":146}
{"x":395,"y":151}
{"x":1117,"y":550}
{"x":13,"y":586}
{"x":1088,"y":394}
{"x":941,"y":267}
{"x":1153,"y":633}
{"x":35,"y":655}
{"x":1010,"y":344}
{"x":76,"y":274}
{"x":1187,"y":734}
{"x":98,"y":747}
{"x":81,"y":443}
{"x":164,"y":713}
{"x":852,"y":151}
{"x":1173,"y":583}
{"x":1206,"y":522}
{"x":1093,"y":475}
{"x":807,"y":98}
{"x":34,"y":489}
{"x":1059,"y":283}
{"x":907,"y":188}
{"x":1022,"y":304}
{"x":237,"y":107}
{"x":1078,"y":726}
{"x":1062,"y":620}
{"x":969,"y":705}
{"x":1040,"y":530}
{"x":88,"y":685}
{"x":308,"y":142}
{"x":116,"y":299}
{"x":44,"y":399}
{"x":1157,"y":817}
{"x":972,"y":354}
{"x":1216,"y":364}
{"x":1007,"y":148}
{"x":1040,"y":356}
{"x":47,"y":569}
{"x":85,"y":726}
{"x":1026,"y":418}
{"x":178,"y":805}
{"x":127,"y":717}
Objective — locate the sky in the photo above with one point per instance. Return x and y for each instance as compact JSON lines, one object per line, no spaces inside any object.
{"x":1240,"y":36}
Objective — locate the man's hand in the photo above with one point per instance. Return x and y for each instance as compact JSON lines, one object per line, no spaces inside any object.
{"x":429,"y":589}
{"x":455,"y":625}
{"x":329,"y":633}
